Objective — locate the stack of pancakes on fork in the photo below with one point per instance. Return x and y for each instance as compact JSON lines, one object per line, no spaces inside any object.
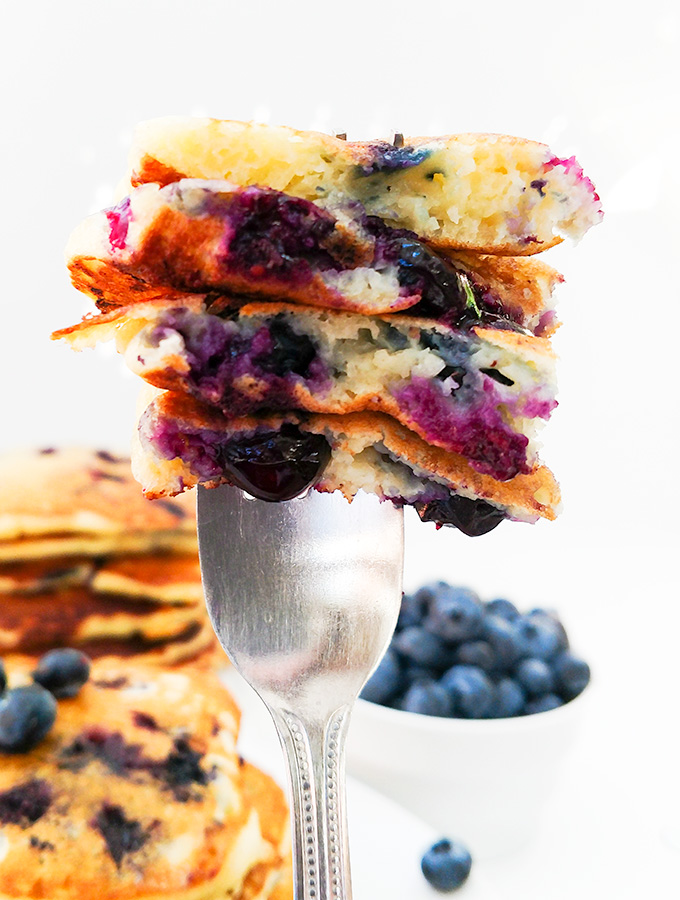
{"x":310,"y":311}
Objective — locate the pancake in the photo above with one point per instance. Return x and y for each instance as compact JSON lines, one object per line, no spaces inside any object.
{"x":485,"y":192}
{"x":480,"y":392}
{"x":135,"y":793}
{"x":204,"y":236}
{"x":181,"y":443}
{"x":162,"y":578}
{"x":83,"y":498}
{"x":40,"y":575}
{"x":76,"y":616}
{"x":272,"y":877}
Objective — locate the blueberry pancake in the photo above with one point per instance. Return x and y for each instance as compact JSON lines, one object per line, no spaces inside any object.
{"x":78,"y":616}
{"x":136,"y":792}
{"x":277,"y":456}
{"x":204,"y":236}
{"x":78,"y":502}
{"x":40,"y":575}
{"x":158,"y":578}
{"x":485,"y":192}
{"x":480,"y":392}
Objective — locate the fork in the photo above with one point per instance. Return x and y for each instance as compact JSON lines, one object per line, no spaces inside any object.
{"x":304,"y":597}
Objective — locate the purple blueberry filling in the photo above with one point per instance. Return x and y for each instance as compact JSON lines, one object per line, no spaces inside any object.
{"x":475,"y":430}
{"x":273,"y":233}
{"x":119,"y":221}
{"x":25,"y":803}
{"x":387,"y":158}
{"x":121,"y":835}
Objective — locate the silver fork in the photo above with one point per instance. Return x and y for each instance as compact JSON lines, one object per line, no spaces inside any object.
{"x":304,"y":596}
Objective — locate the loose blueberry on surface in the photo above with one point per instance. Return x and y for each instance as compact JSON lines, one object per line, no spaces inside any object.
{"x":542,"y":704}
{"x":387,"y":680}
{"x":535,"y":676}
{"x":62,"y":672}
{"x":446,"y":865}
{"x":455,"y":614}
{"x":503,"y":608}
{"x":26,"y":715}
{"x":3,"y":678}
{"x":508,"y":701}
{"x":422,"y":647}
{"x":471,"y":690}
{"x":571,"y":675}
{"x":428,"y":699}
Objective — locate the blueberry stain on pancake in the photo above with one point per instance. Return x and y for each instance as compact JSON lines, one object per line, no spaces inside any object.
{"x":122,"y":836}
{"x":24,"y":804}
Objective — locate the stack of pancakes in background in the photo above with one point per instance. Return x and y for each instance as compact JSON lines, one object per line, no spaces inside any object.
{"x":311,"y":311}
{"x":138,"y":789}
{"x":87,"y":562}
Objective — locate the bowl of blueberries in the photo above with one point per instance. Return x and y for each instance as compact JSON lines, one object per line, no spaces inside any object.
{"x":469,"y":714}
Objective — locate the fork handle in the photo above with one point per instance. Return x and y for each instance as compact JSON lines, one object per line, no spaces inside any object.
{"x":315,"y":753}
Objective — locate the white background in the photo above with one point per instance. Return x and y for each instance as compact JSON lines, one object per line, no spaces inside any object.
{"x":597,"y":80}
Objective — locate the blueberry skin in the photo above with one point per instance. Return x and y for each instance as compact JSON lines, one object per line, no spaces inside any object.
{"x":504,"y":638}
{"x":477,"y":653}
{"x":63,"y":672}
{"x":535,"y":676}
{"x":428,"y":699}
{"x":26,"y":715}
{"x":503,"y":608}
{"x":542,"y":704}
{"x":540,"y":636}
{"x":387,"y":681}
{"x":571,"y":675}
{"x":455,"y":615}
{"x":3,"y":678}
{"x":509,"y":700}
{"x":471,"y":690}
{"x":422,"y":647}
{"x":446,"y":865}
{"x":412,"y":610}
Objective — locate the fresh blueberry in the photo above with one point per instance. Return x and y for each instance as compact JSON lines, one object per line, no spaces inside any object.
{"x":477,"y":653}
{"x":535,"y":676}
{"x":63,"y":672}
{"x":542,"y":704}
{"x":422,"y":647}
{"x":3,"y":678}
{"x":471,"y":690}
{"x":428,"y":699}
{"x":446,"y":865}
{"x":26,"y":715}
{"x":387,"y":680}
{"x":504,"y":639}
{"x":455,"y":614}
{"x":503,"y":608}
{"x":571,"y":675}
{"x":509,"y":700}
{"x":540,"y":636}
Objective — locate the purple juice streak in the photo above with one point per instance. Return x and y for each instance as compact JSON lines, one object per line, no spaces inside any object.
{"x":573,"y":168}
{"x":119,"y":217}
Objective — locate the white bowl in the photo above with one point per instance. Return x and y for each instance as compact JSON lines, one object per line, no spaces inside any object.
{"x":483,"y":782}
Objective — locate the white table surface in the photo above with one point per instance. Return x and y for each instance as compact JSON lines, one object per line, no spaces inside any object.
{"x":597,"y":80}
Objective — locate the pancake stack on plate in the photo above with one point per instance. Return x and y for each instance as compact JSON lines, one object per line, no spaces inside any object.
{"x":310,"y":311}
{"x":87,"y":562}
{"x":138,"y":792}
